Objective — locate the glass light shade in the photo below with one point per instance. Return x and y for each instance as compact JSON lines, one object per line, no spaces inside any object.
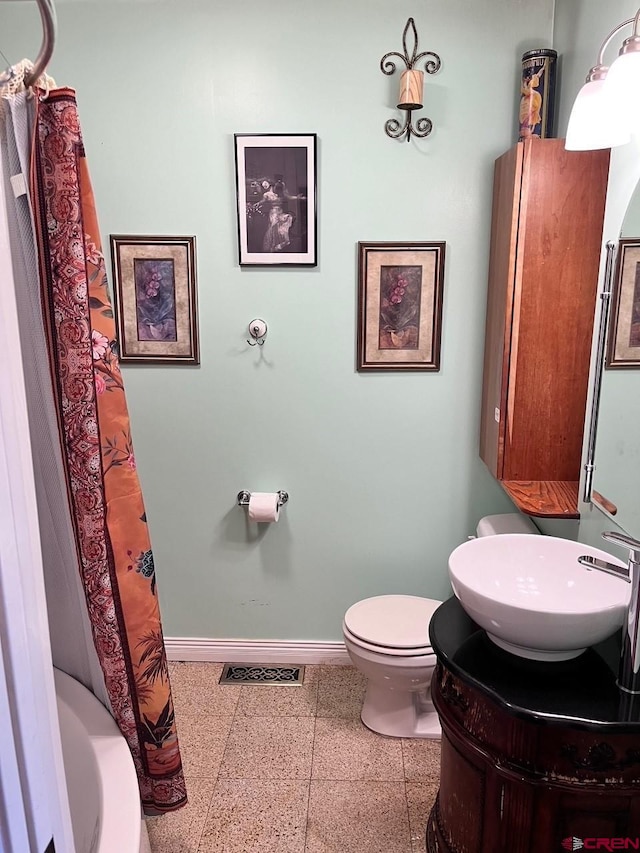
{"x":594,"y":122}
{"x":621,"y":88}
{"x":623,"y":80}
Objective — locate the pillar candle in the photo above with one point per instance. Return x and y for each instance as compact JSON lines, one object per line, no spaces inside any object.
{"x":410,"y":97}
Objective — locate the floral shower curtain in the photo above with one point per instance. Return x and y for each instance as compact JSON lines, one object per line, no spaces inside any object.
{"x":105,"y":498}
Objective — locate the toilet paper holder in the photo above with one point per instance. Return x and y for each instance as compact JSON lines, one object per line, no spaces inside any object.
{"x":244,"y":495}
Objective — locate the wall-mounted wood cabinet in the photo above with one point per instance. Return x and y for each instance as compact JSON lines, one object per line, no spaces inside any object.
{"x":546,"y":236}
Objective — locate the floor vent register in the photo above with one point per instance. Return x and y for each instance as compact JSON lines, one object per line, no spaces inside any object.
{"x":238,"y":673}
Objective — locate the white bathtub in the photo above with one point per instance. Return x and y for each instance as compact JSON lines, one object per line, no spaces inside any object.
{"x":101,"y":778}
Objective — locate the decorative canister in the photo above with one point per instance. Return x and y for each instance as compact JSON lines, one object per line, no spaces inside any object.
{"x":537,"y":93}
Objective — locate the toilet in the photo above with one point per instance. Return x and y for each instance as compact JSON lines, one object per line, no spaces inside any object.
{"x":387,"y":638}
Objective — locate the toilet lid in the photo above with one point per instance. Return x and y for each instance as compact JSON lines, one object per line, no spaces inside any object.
{"x":394,"y":621}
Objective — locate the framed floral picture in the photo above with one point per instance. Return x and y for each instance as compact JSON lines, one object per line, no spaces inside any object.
{"x":276,"y":199}
{"x":623,"y":350}
{"x":400,"y":306}
{"x":154,"y":289}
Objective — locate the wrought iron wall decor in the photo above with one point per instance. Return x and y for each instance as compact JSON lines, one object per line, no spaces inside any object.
{"x":411,"y":86}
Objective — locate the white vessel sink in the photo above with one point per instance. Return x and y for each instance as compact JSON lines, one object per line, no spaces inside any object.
{"x":532,"y":596}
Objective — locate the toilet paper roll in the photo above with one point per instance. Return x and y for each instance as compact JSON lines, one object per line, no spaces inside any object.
{"x":263,"y":506}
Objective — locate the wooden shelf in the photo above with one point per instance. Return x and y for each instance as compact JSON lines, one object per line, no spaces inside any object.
{"x":605,"y":503}
{"x":544,"y":498}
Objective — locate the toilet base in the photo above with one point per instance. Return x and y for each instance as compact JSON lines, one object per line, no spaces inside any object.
{"x":396,"y":713}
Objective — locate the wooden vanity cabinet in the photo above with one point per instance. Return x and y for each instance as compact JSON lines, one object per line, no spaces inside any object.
{"x":512,"y":785}
{"x":533,"y":753}
{"x":546,"y":237}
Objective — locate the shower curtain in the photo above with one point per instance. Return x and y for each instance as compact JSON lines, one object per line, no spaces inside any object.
{"x":81,"y":437}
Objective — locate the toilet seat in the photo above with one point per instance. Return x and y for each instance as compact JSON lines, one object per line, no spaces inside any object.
{"x":395,"y":624}
{"x":424,"y":652}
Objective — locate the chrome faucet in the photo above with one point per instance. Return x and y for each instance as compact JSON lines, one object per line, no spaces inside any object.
{"x":629,"y":673}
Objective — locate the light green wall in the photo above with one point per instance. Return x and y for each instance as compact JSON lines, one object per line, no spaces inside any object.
{"x":382,"y":470}
{"x":580,"y":28}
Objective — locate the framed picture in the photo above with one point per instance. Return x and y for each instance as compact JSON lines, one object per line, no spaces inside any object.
{"x":623,"y":350}
{"x":154,"y":284}
{"x":276,"y":192}
{"x":400,"y":305}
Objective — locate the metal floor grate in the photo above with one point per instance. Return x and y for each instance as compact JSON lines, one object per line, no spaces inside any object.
{"x":242,"y":673}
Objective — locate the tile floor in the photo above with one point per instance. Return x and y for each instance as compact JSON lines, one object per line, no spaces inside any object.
{"x":292,"y":770}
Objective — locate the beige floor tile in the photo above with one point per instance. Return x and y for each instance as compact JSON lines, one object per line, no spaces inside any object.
{"x":202,"y":743}
{"x":196,"y":690}
{"x":179,"y":832}
{"x":421,"y":758}
{"x":358,"y":817}
{"x":248,"y":816}
{"x":265,"y":745}
{"x":269,"y":748}
{"x":341,"y":691}
{"x":420,"y":799}
{"x":345,"y":749}
{"x":281,"y":701}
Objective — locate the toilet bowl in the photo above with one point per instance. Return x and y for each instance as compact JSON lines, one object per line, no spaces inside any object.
{"x":387,"y":638}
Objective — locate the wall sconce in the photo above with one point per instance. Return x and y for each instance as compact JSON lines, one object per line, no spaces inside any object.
{"x":602,"y":114}
{"x":411,"y":84}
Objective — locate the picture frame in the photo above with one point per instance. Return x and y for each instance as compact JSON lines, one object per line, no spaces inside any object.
{"x":276,"y":199}
{"x":623,"y":349}
{"x":400,"y":294}
{"x":155,"y":299}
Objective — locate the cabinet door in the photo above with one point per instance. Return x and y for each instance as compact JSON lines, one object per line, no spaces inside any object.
{"x":546,"y":236}
{"x":558,"y":254}
{"x":462,"y":791}
{"x":587,"y":816}
{"x":502,"y":263}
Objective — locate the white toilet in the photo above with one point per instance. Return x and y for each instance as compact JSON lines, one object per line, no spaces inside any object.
{"x":387,"y":638}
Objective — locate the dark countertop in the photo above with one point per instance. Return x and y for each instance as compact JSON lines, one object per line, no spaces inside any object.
{"x":581,"y":693}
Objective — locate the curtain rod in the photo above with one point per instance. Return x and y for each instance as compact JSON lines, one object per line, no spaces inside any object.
{"x":48,"y":15}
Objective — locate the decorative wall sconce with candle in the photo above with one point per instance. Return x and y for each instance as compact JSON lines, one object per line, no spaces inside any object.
{"x":411,"y":86}
{"x":603,"y":113}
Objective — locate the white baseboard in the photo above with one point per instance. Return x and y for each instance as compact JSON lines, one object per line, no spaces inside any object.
{"x":255,"y":651}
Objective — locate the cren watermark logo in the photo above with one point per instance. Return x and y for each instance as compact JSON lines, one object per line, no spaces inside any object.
{"x":610,"y":844}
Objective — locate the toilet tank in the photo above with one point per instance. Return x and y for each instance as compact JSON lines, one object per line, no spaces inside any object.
{"x":508,"y":522}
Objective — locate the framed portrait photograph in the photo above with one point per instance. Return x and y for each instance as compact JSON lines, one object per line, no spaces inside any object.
{"x":277,"y":201}
{"x":400,"y":305}
{"x":154,"y":289}
{"x":623,"y":350}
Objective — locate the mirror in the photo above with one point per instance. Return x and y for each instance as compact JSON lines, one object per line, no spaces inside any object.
{"x":616,"y":479}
